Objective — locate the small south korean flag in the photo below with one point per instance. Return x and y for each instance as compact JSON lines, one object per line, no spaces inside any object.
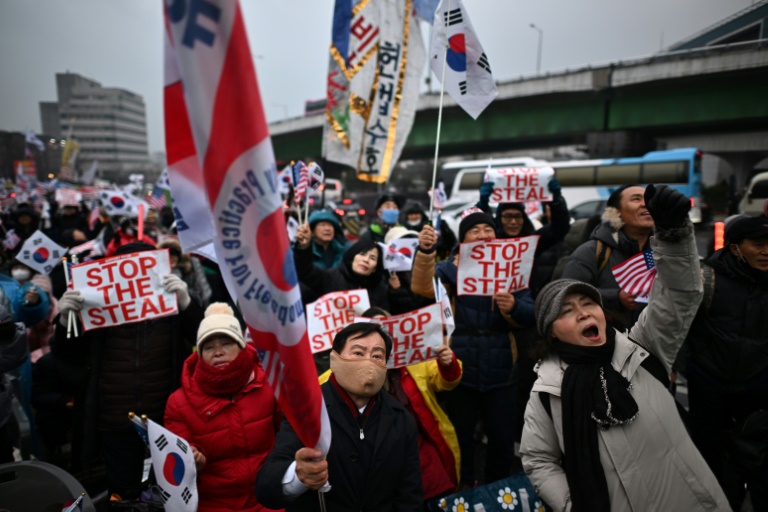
{"x":117,"y":202}
{"x":174,"y":467}
{"x":41,"y":253}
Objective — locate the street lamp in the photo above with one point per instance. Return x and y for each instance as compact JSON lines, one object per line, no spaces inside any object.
{"x":541,"y":38}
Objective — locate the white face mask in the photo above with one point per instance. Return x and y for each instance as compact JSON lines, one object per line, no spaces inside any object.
{"x":20,"y":274}
{"x":414,"y":222}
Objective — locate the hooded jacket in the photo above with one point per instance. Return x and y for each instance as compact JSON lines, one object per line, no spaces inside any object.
{"x":550,"y":236}
{"x":341,"y":278}
{"x":582,"y":264}
{"x":650,"y":464}
{"x":729,"y":337}
{"x":235,"y":434}
{"x":332,"y":256}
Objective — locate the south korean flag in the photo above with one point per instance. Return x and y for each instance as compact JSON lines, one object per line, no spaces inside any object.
{"x":41,"y":253}
{"x":117,"y":202}
{"x":174,"y":467}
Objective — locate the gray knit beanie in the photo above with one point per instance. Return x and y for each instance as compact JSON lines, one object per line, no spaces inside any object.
{"x":550,"y":300}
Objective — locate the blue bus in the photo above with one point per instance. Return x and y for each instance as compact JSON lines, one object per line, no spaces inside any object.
{"x":594,"y":180}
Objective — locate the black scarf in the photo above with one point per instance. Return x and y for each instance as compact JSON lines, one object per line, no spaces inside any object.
{"x":593,"y":394}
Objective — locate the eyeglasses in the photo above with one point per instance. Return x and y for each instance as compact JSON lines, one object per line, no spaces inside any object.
{"x":517,"y":217}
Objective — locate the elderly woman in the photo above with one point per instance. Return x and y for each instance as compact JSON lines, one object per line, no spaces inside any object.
{"x":227,"y":411}
{"x":602,"y":432}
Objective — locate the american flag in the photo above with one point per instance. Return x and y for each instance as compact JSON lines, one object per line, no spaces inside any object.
{"x":635,"y":275}
{"x":300,"y":180}
{"x":11,"y":240}
{"x":157,"y":199}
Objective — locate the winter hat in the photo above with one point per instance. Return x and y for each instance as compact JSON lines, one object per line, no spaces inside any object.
{"x":528,"y":227}
{"x":173,"y":246}
{"x":134,"y":247}
{"x":550,"y":300}
{"x":388,"y":197}
{"x":746,"y":227}
{"x":219,"y":319}
{"x":322,"y":216}
{"x":471,"y":218}
{"x":398,"y":232}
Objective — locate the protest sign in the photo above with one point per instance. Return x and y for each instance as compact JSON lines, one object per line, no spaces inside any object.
{"x":520,"y":184}
{"x":124,"y":289}
{"x":331,"y":313}
{"x":415,"y":335}
{"x":495,"y":266}
{"x":68,"y":197}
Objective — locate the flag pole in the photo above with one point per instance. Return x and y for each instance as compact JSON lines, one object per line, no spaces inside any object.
{"x":439,"y":124}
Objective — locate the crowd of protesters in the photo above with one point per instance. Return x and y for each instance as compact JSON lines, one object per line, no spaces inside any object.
{"x":567,"y":380}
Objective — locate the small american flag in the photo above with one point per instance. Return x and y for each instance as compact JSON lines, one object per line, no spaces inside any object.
{"x":635,"y":275}
{"x":11,"y":240}
{"x":157,"y":199}
{"x":300,"y":180}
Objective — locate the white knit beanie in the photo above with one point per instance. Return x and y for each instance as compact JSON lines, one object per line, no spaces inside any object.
{"x":219,"y":319}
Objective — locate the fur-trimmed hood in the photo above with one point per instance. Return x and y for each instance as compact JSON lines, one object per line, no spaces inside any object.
{"x":608,"y":230}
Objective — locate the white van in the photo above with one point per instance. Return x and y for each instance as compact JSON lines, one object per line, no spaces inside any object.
{"x":463,"y":179}
{"x":755,"y":195}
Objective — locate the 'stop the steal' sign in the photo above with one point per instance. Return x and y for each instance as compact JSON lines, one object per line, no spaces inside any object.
{"x":415,"y":335}
{"x":331,"y":313}
{"x":520,"y":184}
{"x":124,"y":289}
{"x":495,"y":266}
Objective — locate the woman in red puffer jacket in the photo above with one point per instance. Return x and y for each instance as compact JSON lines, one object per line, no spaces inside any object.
{"x":227,"y":412}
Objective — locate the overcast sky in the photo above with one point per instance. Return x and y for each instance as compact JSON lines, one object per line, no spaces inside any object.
{"x":119,"y":43}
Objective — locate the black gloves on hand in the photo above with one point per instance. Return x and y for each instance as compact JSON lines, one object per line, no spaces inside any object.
{"x":668,"y":207}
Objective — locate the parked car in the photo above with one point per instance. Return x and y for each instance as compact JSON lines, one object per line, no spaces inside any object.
{"x":755,"y":195}
{"x":588,"y":208}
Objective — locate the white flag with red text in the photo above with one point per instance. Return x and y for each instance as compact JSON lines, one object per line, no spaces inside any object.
{"x":216,"y":92}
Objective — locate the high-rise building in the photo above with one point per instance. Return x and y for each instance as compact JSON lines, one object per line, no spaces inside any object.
{"x":108,"y":123}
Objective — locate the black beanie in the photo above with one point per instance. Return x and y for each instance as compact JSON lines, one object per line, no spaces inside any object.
{"x":747,"y":227}
{"x":471,"y":218}
{"x":134,"y":247}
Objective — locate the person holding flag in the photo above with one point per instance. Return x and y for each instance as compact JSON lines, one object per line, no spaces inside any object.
{"x":485,"y":341}
{"x":602,"y":432}
{"x":227,"y":411}
{"x":218,"y":138}
{"x":626,"y":229}
{"x":373,"y":462}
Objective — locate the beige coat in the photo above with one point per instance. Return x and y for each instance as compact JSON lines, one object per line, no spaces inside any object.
{"x":651,"y":464}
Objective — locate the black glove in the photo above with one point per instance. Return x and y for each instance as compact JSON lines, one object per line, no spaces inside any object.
{"x":555,"y":189}
{"x":668,"y":207}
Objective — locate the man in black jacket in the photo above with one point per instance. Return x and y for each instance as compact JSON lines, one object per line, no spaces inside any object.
{"x":728,"y":368}
{"x":373,"y":462}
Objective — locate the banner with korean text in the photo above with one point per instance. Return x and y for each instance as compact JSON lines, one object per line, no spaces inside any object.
{"x":124,"y":289}
{"x":376,"y":62}
{"x":495,"y":266}
{"x":520,"y":184}
{"x":331,"y":313}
